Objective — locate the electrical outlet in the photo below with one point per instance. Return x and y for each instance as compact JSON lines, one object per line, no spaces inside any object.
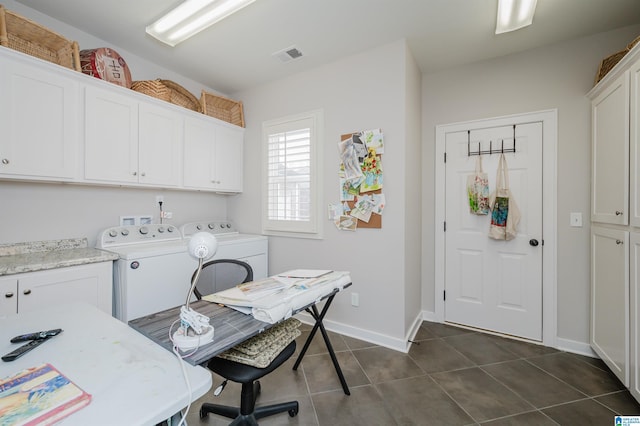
{"x":575,"y":220}
{"x":159,"y":199}
{"x":355,"y":299}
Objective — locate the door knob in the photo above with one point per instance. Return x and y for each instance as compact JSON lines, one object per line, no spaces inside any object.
{"x":533,"y":242}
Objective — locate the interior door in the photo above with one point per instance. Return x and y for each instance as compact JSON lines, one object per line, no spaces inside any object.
{"x":493,"y":284}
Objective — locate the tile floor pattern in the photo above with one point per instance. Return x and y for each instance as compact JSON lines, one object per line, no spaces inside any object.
{"x":451,"y":377}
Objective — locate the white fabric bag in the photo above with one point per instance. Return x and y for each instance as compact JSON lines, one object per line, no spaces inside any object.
{"x":505,"y":214}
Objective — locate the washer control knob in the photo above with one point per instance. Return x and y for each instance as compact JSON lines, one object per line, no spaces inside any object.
{"x":125,"y":232}
{"x":199,"y":227}
{"x":170,"y":229}
{"x":161,"y":229}
{"x":212,"y":226}
{"x":144,"y":230}
{"x":229,"y":225}
{"x":113,"y":233}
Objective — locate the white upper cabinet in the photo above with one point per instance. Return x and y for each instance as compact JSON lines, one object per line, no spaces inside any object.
{"x":130,"y":142}
{"x":634,"y":137}
{"x":610,"y":156}
{"x":212,"y":156}
{"x":228,"y":159}
{"x":60,"y":125}
{"x":39,"y":121}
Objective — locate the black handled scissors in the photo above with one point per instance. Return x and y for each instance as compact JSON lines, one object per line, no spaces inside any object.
{"x":34,"y":339}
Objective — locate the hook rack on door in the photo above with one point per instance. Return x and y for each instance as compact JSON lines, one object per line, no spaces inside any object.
{"x":491,"y":150}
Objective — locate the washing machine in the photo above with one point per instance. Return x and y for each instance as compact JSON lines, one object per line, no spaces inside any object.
{"x":153,"y":270}
{"x":233,"y":244}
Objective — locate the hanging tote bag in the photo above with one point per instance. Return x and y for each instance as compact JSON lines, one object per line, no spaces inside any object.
{"x":505,"y":214}
{"x":478,"y":190}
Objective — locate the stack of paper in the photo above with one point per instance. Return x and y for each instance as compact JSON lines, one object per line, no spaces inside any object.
{"x":275,"y":298}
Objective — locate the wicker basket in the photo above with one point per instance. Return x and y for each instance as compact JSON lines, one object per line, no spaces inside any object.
{"x":222,"y":108}
{"x":26,"y":36}
{"x":609,"y":62}
{"x":168,"y":91}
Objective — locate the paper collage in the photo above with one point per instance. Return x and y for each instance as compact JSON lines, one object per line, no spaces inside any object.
{"x":361,"y":181}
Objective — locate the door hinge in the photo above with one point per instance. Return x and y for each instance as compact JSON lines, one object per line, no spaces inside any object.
{"x":445,"y":226}
{"x":444,"y":294}
{"x":445,"y":157}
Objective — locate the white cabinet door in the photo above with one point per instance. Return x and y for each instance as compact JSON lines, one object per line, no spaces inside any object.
{"x":634,"y":332}
{"x":86,"y":283}
{"x":111,"y":136}
{"x":199,"y":152}
{"x":634,"y":135}
{"x":8,"y":295}
{"x":610,"y":156}
{"x":228,"y":159}
{"x":610,"y":299}
{"x":39,"y":119}
{"x":160,"y":143}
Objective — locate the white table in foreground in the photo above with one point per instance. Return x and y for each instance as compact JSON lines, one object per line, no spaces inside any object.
{"x":131,"y":379}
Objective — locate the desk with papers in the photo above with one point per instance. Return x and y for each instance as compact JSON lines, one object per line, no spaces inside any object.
{"x":247,"y":318}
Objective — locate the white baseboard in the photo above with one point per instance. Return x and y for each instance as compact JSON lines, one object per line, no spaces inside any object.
{"x":401,"y":345}
{"x":572,"y":346}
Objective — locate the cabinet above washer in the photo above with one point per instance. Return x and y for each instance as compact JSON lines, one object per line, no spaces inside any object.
{"x":129,"y":139}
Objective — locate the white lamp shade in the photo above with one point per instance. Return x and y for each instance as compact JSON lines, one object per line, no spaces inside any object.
{"x":203,"y":245}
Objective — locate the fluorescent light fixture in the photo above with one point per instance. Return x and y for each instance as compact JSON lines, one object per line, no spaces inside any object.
{"x":191,"y":17}
{"x":514,"y":14}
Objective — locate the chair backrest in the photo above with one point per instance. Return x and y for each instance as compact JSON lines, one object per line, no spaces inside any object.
{"x":221,"y":274}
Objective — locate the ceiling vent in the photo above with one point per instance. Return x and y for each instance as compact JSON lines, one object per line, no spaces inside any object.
{"x":288,"y":54}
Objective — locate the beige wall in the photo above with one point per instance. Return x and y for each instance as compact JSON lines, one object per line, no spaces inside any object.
{"x":374,"y":89}
{"x":552,"y":77}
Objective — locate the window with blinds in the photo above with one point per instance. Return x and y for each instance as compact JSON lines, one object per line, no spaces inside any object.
{"x":291,"y":175}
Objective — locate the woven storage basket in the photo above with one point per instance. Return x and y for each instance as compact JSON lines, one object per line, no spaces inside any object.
{"x":609,"y":62}
{"x":222,"y":108}
{"x":28,"y":37}
{"x":168,"y":91}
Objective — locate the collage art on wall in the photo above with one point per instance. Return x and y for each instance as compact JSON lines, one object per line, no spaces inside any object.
{"x":361,"y":181}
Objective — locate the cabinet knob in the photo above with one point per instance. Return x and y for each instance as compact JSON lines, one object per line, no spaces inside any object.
{"x":26,"y":291}
{"x":618,"y":242}
{"x":618,"y":213}
{"x":5,"y":161}
{"x":8,"y":295}
{"x":135,"y":173}
{"x":143,"y":174}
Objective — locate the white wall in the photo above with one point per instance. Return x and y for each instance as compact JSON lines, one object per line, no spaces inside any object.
{"x":558,"y":76}
{"x":365,"y":91}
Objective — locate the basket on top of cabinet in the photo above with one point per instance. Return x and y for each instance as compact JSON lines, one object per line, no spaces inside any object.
{"x":21,"y":34}
{"x":222,"y":108}
{"x":168,"y":91}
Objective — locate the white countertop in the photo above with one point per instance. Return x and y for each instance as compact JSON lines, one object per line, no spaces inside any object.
{"x":131,"y":379}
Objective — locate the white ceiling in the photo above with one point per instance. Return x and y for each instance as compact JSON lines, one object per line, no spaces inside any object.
{"x":236,"y":53}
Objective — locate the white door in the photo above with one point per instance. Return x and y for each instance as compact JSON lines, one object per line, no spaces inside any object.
{"x":490,"y":284}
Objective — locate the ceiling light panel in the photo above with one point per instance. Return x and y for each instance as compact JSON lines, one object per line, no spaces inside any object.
{"x":191,"y":17}
{"x":514,"y":14}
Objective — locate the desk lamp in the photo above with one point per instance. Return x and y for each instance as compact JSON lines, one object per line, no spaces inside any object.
{"x":194,"y":328}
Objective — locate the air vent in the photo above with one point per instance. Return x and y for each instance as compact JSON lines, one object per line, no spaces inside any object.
{"x":288,"y":54}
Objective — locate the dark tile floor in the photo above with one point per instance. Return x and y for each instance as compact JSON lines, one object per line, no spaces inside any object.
{"x":451,"y":376}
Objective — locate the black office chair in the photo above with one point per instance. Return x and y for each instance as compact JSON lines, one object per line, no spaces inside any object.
{"x":218,"y":275}
{"x":221,"y":274}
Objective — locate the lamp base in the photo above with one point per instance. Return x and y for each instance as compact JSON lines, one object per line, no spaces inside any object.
{"x":185,"y":340}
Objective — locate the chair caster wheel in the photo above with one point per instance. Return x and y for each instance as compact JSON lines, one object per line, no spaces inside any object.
{"x":202,"y":414}
{"x":292,"y":413}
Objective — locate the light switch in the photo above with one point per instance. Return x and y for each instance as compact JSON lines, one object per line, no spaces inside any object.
{"x":575,"y":220}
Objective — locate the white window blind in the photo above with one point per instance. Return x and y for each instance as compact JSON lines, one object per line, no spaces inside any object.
{"x":291,"y":174}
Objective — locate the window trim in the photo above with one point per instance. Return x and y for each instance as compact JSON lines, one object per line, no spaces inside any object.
{"x":312,"y":228}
